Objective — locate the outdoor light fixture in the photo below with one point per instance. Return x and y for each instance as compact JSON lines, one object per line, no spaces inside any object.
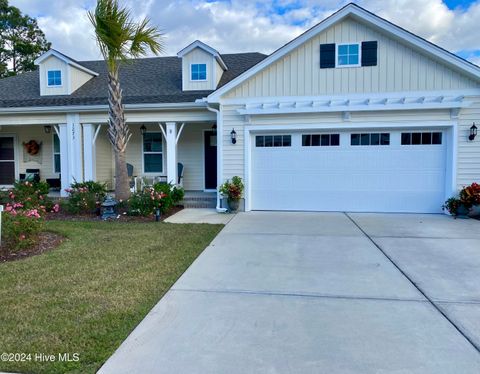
{"x":214,"y":127}
{"x":143,"y":129}
{"x":473,"y":132}
{"x":47,"y":129}
{"x":233,"y":135}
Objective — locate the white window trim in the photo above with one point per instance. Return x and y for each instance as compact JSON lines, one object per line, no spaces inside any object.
{"x":153,"y":173}
{"x":206,"y":72}
{"x":55,"y":153}
{"x":359,"y":55}
{"x":61,"y":78}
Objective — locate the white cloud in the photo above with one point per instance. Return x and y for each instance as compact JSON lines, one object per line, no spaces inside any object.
{"x":250,"y":25}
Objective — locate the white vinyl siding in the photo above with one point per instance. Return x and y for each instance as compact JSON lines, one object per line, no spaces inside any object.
{"x":399,"y":68}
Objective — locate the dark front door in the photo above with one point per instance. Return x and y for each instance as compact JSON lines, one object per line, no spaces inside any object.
{"x":7,"y":160}
{"x":210,"y":141}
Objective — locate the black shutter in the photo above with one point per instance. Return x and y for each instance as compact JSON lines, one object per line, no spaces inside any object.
{"x":327,"y":56}
{"x":369,"y":53}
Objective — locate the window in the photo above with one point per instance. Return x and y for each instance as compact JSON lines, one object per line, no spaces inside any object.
{"x":54,"y":78}
{"x":421,"y":138}
{"x":370,"y":139}
{"x":273,"y":141}
{"x":323,"y":140}
{"x":152,"y":152}
{"x":199,"y":72}
{"x":348,"y":55}
{"x":56,"y":154}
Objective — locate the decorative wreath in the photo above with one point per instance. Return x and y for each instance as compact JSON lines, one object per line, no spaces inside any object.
{"x":32,"y":147}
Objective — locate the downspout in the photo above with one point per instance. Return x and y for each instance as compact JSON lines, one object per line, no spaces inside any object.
{"x":219,"y":154}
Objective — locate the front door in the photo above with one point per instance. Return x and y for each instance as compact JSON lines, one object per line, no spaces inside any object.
{"x":7,"y":160}
{"x":210,"y":141}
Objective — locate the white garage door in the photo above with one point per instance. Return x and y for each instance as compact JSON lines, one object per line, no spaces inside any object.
{"x":356,"y":171}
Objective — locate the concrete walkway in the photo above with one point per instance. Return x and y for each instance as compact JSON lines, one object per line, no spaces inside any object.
{"x":320,"y":293}
{"x":200,"y":215}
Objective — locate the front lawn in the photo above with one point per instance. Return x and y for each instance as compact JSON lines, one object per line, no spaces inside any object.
{"x":87,"y":295}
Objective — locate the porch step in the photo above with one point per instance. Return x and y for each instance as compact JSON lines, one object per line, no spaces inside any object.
{"x":199,"y":200}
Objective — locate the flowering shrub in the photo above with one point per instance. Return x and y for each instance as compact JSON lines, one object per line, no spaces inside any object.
{"x":31,"y":195}
{"x":85,"y":197}
{"x":146,"y":202}
{"x":232,"y":190}
{"x":161,"y":196}
{"x":20,"y":227}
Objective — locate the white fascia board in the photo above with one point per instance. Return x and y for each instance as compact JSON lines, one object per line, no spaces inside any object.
{"x":206,"y":48}
{"x":356,"y":11}
{"x":353,"y":108}
{"x":101,"y":108}
{"x":65,"y":59}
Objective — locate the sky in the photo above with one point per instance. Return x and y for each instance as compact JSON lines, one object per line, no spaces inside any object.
{"x":255,"y":25}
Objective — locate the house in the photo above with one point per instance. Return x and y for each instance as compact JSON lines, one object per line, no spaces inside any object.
{"x":356,"y":114}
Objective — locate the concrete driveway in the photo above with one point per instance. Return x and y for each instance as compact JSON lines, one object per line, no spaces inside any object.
{"x":320,"y":293}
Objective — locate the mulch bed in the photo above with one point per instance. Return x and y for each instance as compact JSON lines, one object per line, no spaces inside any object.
{"x":47,"y":241}
{"x":64,"y":216}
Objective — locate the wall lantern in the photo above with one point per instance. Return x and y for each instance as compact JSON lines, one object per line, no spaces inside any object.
{"x":143,"y":129}
{"x":47,"y":129}
{"x":473,"y":132}
{"x":233,"y":135}
{"x":214,"y":127}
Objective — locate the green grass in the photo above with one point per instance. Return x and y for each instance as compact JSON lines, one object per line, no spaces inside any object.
{"x":87,"y":295}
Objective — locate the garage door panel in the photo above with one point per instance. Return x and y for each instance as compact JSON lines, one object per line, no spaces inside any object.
{"x":390,"y":178}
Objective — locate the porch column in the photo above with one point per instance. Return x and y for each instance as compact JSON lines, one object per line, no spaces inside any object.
{"x":64,"y":162}
{"x":74,"y":148}
{"x":89,"y":156}
{"x":171,"y":138}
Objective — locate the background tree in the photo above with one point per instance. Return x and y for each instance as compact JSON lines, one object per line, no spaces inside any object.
{"x":120,"y":38}
{"x":21,"y":41}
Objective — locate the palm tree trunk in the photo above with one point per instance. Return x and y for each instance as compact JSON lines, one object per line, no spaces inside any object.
{"x":119,"y":135}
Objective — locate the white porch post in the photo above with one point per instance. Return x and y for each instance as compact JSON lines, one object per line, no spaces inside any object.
{"x":74,"y":148}
{"x":171,"y":135}
{"x":64,"y":162}
{"x":89,"y":156}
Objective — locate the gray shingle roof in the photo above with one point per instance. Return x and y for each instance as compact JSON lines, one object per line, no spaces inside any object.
{"x":148,"y":80}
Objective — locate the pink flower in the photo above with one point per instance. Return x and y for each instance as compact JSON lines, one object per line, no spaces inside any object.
{"x":56,"y":208}
{"x":22,"y":237}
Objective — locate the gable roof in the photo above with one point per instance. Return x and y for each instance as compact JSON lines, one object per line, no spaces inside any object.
{"x":66,"y":59}
{"x":359,"y":13}
{"x":206,"y":48}
{"x":144,"y":81}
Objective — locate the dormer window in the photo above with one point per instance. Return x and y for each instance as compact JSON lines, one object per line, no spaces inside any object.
{"x":199,"y":72}
{"x":54,"y":78}
{"x":348,"y":55}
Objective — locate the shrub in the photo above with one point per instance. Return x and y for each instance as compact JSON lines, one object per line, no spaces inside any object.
{"x":85,"y":197}
{"x":178,"y":193}
{"x":452,"y":205}
{"x":232,"y":190}
{"x":161,"y":196}
{"x":31,"y":195}
{"x":20,"y":228}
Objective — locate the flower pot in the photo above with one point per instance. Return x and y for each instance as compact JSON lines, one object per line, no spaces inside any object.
{"x":233,"y":205}
{"x":474,"y":211}
{"x":462,"y":211}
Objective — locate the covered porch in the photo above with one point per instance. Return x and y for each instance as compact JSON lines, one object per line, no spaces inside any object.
{"x":62,"y":153}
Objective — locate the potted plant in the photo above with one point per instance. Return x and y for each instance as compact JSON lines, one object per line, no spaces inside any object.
{"x":467,"y":204}
{"x":470,"y":196}
{"x":233,"y":191}
{"x":455,"y":207}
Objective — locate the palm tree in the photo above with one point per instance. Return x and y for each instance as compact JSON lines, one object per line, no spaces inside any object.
{"x":121,"y":39}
